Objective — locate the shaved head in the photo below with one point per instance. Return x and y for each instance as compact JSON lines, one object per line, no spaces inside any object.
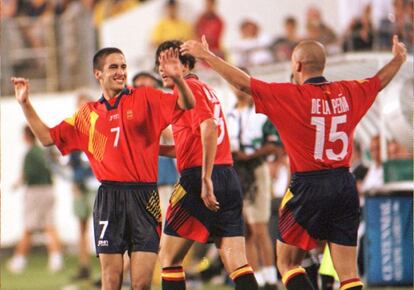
{"x":311,"y":54}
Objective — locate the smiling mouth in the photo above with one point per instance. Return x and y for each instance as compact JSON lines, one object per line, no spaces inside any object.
{"x":120,"y":81}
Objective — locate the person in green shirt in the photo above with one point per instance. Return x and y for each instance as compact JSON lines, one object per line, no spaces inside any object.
{"x":38,"y":207}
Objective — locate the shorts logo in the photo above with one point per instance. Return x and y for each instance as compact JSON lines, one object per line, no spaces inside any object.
{"x":103,"y":243}
{"x":153,"y":206}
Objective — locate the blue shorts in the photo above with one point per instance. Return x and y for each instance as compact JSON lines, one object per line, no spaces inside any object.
{"x":189,"y":218}
{"x":127,"y":217}
{"x":320,"y":205}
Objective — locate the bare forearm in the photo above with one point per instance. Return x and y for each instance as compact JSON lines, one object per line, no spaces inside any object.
{"x":387,"y":73}
{"x":233,"y":75}
{"x":167,"y":151}
{"x":209,"y":142}
{"x":186,"y":99}
{"x":41,"y":131}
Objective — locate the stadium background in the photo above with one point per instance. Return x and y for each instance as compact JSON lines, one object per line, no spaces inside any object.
{"x":63,"y":68}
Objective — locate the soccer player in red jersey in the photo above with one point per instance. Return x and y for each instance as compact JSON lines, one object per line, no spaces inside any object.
{"x":207,"y":201}
{"x":316,"y":119}
{"x":120,"y":134}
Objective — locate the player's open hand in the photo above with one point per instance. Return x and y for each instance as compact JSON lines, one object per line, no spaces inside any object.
{"x":21,"y":89}
{"x":196,"y":48}
{"x":398,"y":48}
{"x":208,"y":196}
{"x":170,"y":63}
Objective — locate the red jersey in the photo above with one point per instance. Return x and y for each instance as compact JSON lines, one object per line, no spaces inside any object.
{"x":316,"y":120}
{"x":120,"y":137}
{"x":186,"y":129}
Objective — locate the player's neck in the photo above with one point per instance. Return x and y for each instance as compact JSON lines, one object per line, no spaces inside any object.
{"x":307,"y":76}
{"x":110,"y":94}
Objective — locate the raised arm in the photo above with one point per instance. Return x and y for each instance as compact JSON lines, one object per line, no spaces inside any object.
{"x":236,"y":77}
{"x":208,"y":129}
{"x":21,"y":90}
{"x":170,"y":64}
{"x":388,"y":71}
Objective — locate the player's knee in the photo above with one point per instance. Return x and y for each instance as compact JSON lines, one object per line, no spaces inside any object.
{"x":112,"y":278}
{"x":141,"y":283}
{"x":169,"y":260}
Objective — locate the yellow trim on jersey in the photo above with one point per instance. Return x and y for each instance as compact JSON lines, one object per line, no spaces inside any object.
{"x":71,"y":120}
{"x":352,"y":284}
{"x":237,"y":273}
{"x":288,"y":274}
{"x":288,"y":196}
{"x":93,"y":117}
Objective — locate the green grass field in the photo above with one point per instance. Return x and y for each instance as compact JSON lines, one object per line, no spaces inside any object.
{"x":37,"y":277}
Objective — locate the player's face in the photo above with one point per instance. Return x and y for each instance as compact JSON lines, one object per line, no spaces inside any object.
{"x":113,"y":75}
{"x":167,"y":82}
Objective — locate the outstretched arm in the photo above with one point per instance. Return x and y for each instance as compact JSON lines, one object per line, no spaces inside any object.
{"x":167,"y":151}
{"x":387,"y":72}
{"x":236,"y":77}
{"x":208,"y":129}
{"x":21,"y":90}
{"x":171,"y":66}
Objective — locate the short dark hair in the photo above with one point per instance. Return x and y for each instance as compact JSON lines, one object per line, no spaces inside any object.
{"x":147,"y":74}
{"x":101,"y":54}
{"x":290,"y":20}
{"x":187,"y":59}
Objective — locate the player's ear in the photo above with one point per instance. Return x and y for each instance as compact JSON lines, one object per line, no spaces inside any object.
{"x":185,"y":68}
{"x":97,"y":73}
{"x":298,"y":66}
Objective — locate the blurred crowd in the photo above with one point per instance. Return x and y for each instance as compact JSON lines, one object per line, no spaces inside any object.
{"x":253,"y":47}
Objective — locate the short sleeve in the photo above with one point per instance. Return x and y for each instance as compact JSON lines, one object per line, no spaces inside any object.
{"x":363,"y":94}
{"x":164,"y":106}
{"x":271,"y":97}
{"x":202,"y":111}
{"x":65,"y":136}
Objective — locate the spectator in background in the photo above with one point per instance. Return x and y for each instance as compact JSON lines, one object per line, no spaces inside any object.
{"x":38,"y":207}
{"x":253,"y":47}
{"x":400,"y":22}
{"x":105,"y":9}
{"x":82,"y":202}
{"x":283,"y":46}
{"x":252,"y":138}
{"x":397,"y":151}
{"x":317,"y":29}
{"x":146,"y":79}
{"x":210,"y":24}
{"x":359,"y":170}
{"x":360,"y":33}
{"x":8,"y":9}
{"x":375,"y":175}
{"x":171,"y":26}
{"x":40,"y":13}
